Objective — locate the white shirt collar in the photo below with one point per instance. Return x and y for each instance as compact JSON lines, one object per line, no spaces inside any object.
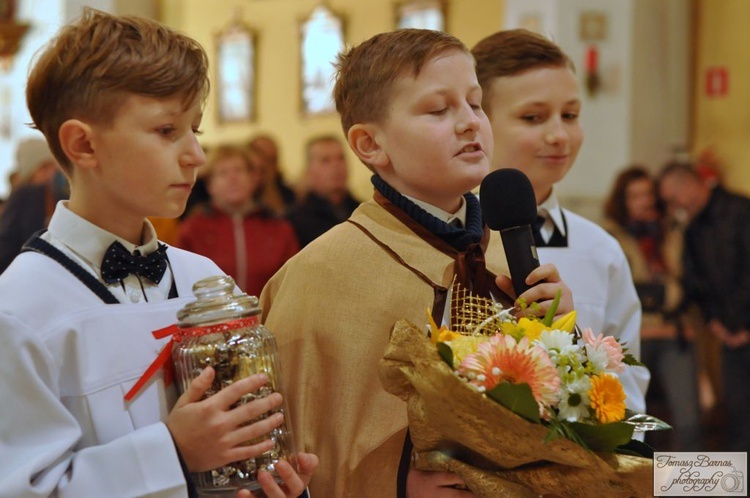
{"x":552,"y":207}
{"x":440,"y":214}
{"x":88,"y":241}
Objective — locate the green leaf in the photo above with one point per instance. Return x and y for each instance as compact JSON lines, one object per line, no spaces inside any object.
{"x":446,"y":353}
{"x":550,"y":316}
{"x":517,"y":398}
{"x":604,"y":437}
{"x":629,"y":359}
{"x":562,"y":428}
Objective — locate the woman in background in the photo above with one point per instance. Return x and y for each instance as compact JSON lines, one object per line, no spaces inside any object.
{"x":634,"y":217}
{"x":233,"y":228}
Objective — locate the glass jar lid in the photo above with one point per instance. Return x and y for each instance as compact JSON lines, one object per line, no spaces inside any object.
{"x":216,"y":302}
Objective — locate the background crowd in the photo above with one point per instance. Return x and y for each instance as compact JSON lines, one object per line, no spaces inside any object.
{"x":683,"y":235}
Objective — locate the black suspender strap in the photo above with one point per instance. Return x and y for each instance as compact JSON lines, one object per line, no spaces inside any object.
{"x":41,"y":246}
{"x":173,"y":290}
{"x":38,"y":245}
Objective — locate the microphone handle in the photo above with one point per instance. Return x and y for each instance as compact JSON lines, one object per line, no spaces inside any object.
{"x":521,"y":254}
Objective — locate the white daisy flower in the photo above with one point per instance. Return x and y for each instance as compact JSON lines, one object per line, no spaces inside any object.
{"x":598,"y":358}
{"x":575,"y":402}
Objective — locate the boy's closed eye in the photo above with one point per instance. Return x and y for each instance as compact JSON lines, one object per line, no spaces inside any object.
{"x":166,"y":130}
{"x":440,"y":110}
{"x":171,"y":131}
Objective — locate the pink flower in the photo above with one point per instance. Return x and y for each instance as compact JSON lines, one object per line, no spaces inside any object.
{"x":604,"y":346}
{"x":502,"y":359}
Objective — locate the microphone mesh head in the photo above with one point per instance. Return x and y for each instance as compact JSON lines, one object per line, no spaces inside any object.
{"x":507,"y":199}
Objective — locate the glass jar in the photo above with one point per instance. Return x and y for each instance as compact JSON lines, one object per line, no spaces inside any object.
{"x":222,"y":329}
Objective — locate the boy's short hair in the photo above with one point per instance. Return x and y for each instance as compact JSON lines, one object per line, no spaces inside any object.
{"x":510,"y":52}
{"x":92,"y":65}
{"x":366,"y":72}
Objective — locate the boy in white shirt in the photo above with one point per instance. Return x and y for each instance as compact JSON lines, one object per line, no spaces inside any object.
{"x":120,"y":101}
{"x":531,"y":97}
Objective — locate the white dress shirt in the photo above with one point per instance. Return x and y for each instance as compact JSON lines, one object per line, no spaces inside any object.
{"x":86,"y":243}
{"x":67,"y":360}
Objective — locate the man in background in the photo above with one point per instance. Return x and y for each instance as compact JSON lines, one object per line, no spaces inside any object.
{"x":716,"y":278}
{"x":327,"y":200}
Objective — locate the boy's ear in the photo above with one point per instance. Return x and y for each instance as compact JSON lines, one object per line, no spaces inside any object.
{"x":75,"y":140}
{"x":363,"y":141}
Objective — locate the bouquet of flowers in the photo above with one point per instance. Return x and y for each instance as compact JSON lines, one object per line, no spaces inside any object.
{"x":519,"y":406}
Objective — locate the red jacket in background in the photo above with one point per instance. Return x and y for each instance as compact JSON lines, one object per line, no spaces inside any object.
{"x":249,"y":248}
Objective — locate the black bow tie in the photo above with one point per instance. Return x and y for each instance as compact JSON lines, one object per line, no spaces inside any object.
{"x":118,"y":263}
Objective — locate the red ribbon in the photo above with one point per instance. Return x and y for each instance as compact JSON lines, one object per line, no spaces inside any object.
{"x":163,"y":360}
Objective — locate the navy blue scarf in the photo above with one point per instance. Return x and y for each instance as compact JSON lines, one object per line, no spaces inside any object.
{"x":458,"y":238}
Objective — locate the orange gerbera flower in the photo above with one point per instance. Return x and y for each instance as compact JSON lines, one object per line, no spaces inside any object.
{"x":502,"y":359}
{"x":607,"y":398}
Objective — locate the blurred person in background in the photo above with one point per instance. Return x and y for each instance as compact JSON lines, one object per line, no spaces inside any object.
{"x":634,"y":217}
{"x":326,"y":200}
{"x":35,"y":164}
{"x":168,"y":229}
{"x":233,"y":228}
{"x":716,"y":277}
{"x":277,"y":195}
{"x":37,"y":184}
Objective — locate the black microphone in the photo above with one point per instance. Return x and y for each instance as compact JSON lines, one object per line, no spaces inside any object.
{"x":509,"y":206}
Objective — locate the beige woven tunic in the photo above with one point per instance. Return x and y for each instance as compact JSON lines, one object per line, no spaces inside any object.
{"x":331,"y":309}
